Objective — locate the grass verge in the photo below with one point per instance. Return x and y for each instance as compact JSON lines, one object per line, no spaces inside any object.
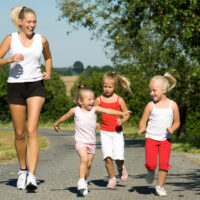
{"x":7,"y":148}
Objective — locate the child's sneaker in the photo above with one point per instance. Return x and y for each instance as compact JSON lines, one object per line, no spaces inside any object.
{"x":82,"y":185}
{"x":123,"y":174}
{"x":150,"y":176}
{"x":160,"y":191}
{"x":85,"y":191}
{"x":31,"y":183}
{"x":21,"y":182}
{"x":112,"y":183}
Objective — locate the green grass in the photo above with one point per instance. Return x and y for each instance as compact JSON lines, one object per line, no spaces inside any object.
{"x":7,"y":148}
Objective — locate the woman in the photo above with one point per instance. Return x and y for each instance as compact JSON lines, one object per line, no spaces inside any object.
{"x":25,"y":89}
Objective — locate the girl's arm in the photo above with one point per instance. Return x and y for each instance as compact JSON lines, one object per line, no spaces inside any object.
{"x":176,"y":122}
{"x":110,"y":111}
{"x":4,"y":48}
{"x":48,"y":60}
{"x":145,"y":116}
{"x":124,"y":109}
{"x":69,"y":114}
{"x":97,"y":101}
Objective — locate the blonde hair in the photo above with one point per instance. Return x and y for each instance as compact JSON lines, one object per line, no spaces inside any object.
{"x":167,"y":81}
{"x":80,"y":92}
{"x":18,"y":13}
{"x":120,"y":80}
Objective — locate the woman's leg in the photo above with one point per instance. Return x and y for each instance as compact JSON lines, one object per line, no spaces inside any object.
{"x":34,"y":106}
{"x":18,"y":113}
{"x":83,"y":166}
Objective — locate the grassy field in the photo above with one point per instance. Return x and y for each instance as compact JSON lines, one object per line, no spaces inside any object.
{"x":7,"y":148}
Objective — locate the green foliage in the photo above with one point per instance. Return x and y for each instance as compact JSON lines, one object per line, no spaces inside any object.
{"x":89,"y":70}
{"x":57,"y":103}
{"x":4,"y":109}
{"x":64,"y":71}
{"x":78,"y":67}
{"x":192,"y":128}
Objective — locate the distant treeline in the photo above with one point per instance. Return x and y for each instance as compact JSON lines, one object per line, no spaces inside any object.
{"x":78,"y":68}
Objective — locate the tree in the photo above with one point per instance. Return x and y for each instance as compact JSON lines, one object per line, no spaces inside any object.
{"x":78,"y":67}
{"x":147,"y":38}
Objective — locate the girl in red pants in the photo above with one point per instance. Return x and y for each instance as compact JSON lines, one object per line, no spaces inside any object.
{"x":163,"y":119}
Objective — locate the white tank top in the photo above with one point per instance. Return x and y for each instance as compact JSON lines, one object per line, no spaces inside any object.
{"x":159,"y":120}
{"x":85,"y":126}
{"x":28,"y":70}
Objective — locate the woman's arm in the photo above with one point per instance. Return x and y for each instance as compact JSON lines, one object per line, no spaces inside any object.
{"x":48,"y":60}
{"x":69,"y":114}
{"x":4,"y":48}
{"x":145,"y":116}
{"x":176,"y":122}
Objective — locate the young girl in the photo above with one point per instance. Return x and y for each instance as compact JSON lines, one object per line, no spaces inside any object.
{"x":112,"y":140}
{"x":85,"y":127}
{"x":163,"y":119}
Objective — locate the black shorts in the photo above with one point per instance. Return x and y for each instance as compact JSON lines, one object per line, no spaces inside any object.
{"x":17,"y":93}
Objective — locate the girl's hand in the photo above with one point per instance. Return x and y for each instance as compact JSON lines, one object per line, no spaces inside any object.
{"x":126,"y":113}
{"x":119,"y":121}
{"x":169,"y":130}
{"x":97,"y":125}
{"x":56,"y":127}
{"x":18,"y":58}
{"x":46,"y":76}
{"x":142,"y":131}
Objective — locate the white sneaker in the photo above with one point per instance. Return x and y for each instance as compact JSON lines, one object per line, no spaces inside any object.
{"x":150,"y":176}
{"x":82,"y":185}
{"x":31,"y":183}
{"x":21,"y":182}
{"x":160,"y":191}
{"x":85,"y":191}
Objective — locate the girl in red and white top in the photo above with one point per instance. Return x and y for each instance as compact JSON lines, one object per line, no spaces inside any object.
{"x":163,"y":119}
{"x":112,"y":140}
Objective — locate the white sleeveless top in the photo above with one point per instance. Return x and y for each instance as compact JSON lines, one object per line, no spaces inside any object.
{"x":85,"y":126}
{"x":28,"y":70}
{"x":159,"y":120}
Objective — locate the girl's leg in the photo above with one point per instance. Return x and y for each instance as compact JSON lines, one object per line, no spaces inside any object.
{"x":34,"y":106}
{"x":90,"y":159}
{"x":119,"y":163}
{"x":110,"y":167}
{"x":18,"y":113}
{"x":83,"y":166}
{"x":164,"y":155}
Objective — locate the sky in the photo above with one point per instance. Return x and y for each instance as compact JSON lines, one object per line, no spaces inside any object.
{"x":65,"y":49}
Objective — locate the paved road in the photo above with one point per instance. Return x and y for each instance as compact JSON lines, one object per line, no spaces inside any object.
{"x":57,"y":175}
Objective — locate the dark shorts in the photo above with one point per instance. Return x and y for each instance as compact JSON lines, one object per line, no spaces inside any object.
{"x":18,"y":93}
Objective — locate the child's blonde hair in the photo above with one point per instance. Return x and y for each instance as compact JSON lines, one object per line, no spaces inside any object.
{"x":18,"y":13}
{"x":80,"y":91}
{"x":120,"y":80}
{"x":167,"y":81}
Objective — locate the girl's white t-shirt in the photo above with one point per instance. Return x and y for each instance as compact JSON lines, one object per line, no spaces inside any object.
{"x":28,"y":70}
{"x":85,"y":126}
{"x":159,"y":120}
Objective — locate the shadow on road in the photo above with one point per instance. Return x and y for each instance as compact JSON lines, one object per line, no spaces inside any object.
{"x":13,"y":182}
{"x":143,"y":190}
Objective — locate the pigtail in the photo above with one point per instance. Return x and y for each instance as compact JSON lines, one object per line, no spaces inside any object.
{"x":123,"y":82}
{"x":171,"y":79}
{"x":14,"y":14}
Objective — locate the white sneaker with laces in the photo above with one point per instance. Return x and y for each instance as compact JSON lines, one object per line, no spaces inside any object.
{"x":150,"y":176}
{"x":82,"y":185}
{"x":21,"y":182}
{"x":85,"y":191}
{"x":31,"y":183}
{"x":160,"y":191}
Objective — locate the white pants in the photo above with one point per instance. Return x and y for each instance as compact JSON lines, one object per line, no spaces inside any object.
{"x":112,"y":144}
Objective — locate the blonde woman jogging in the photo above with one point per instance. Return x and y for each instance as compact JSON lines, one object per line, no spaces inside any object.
{"x":25,"y":89}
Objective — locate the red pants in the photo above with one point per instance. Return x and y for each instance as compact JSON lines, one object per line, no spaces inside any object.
{"x":152,"y":149}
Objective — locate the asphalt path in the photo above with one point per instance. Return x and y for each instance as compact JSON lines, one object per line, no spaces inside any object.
{"x":57,"y":174}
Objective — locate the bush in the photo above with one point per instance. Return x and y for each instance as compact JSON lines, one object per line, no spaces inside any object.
{"x":193,"y":129}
